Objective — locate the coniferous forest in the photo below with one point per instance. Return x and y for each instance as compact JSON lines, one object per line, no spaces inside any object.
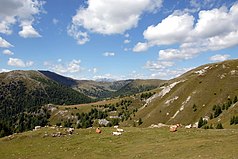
{"x":22,"y":107}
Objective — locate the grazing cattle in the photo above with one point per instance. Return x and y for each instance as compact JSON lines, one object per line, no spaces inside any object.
{"x":116,"y":126}
{"x":57,"y":134}
{"x":116,"y":133}
{"x":173,"y":128}
{"x":188,"y":126}
{"x":70,"y":130}
{"x":98,"y":131}
{"x":120,"y":130}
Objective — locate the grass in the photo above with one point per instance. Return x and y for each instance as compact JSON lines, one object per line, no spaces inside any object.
{"x":134,"y":143}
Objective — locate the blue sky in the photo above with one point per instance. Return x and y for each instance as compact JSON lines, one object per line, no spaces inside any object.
{"x":116,"y":39}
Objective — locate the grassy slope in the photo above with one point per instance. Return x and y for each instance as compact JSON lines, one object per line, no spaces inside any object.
{"x":134,"y":143}
{"x":205,"y":91}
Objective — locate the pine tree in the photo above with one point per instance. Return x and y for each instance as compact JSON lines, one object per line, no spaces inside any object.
{"x":194,"y":107}
{"x":218,"y":111}
{"x":140,"y":121}
{"x":236,"y":120}
{"x":211,"y":116}
{"x":223,"y":107}
{"x":200,"y":122}
{"x":219,"y":126}
{"x":235,"y":100}
{"x":232,"y":121}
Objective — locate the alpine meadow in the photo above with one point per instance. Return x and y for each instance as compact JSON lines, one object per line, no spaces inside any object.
{"x":98,"y":79}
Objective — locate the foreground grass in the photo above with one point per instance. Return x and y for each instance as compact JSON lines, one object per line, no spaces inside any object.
{"x":134,"y":143}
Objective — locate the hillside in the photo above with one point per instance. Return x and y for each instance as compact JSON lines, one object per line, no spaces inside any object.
{"x":208,"y":92}
{"x":60,"y":79}
{"x":22,"y":95}
{"x":194,"y":95}
{"x":105,"y":88}
{"x":117,"y":88}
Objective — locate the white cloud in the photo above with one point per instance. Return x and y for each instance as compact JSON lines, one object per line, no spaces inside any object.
{"x":81,"y":37}
{"x":110,"y":16}
{"x":7,"y":52}
{"x":19,"y":63}
{"x":71,"y":67}
{"x":127,"y":41}
{"x":109,"y":54}
{"x":172,"y":54}
{"x":169,"y":73}
{"x":213,"y":23}
{"x":151,"y":65}
{"x":215,"y":29}
{"x":21,"y":12}
{"x":4,"y":43}
{"x":28,"y":32}
{"x":219,"y":57}
{"x":140,"y":47}
{"x":173,"y":29}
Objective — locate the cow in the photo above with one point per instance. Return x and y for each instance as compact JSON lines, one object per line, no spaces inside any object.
{"x":120,"y":130}
{"x":98,"y":131}
{"x":173,"y":128}
{"x":116,"y":133}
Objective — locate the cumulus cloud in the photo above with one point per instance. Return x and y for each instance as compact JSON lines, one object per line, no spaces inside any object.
{"x":109,"y":54}
{"x":19,"y":62}
{"x":171,"y":54}
{"x":110,"y":16}
{"x":140,"y":47}
{"x":214,"y":29}
{"x":219,"y":57}
{"x":71,"y":67}
{"x":4,"y":43}
{"x":7,"y":52}
{"x":173,"y":29}
{"x":21,"y":12}
{"x":29,"y":32}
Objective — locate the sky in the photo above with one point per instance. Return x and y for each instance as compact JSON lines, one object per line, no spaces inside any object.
{"x":116,"y":39}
